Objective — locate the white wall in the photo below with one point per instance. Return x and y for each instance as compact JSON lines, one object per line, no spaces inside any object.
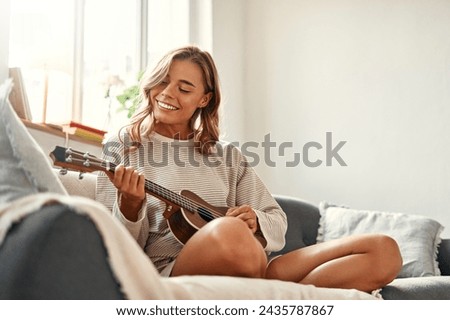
{"x":373,"y":73}
{"x":4,"y":38}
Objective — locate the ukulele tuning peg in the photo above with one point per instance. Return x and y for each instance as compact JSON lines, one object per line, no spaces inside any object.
{"x":63,"y":172}
{"x":69,"y":151}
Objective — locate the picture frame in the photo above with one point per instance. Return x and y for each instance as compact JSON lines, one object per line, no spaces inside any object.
{"x":18,"y":96}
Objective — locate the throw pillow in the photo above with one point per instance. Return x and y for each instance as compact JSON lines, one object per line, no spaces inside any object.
{"x":24,"y":168}
{"x":418,"y":237}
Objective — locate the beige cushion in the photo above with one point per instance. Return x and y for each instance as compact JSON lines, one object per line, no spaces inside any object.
{"x":75,"y":186}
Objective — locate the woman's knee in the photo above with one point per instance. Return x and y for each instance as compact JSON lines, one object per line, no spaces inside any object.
{"x":236,"y":246}
{"x":388,"y":259}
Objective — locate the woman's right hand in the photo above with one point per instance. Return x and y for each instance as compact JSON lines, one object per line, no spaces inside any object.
{"x":131,"y":186}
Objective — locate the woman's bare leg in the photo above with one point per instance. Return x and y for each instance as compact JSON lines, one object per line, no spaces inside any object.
{"x":364,"y":262}
{"x":224,"y":246}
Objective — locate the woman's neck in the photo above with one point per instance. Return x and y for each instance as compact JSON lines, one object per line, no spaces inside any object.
{"x":174,"y":132}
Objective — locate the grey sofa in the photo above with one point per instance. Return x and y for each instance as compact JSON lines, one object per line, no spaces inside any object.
{"x":303,"y":218}
{"x":58,"y":252}
{"x":55,"y":254}
{"x":62,"y":256}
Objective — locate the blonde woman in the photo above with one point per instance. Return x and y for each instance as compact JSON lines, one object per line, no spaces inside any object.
{"x":173,"y":141}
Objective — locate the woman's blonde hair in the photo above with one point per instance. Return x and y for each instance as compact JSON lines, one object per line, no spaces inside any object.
{"x":204,"y":122}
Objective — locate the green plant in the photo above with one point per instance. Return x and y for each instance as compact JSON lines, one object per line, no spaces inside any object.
{"x":130,"y":98}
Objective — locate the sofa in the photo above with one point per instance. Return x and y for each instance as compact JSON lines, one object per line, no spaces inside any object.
{"x":303,"y":228}
{"x":70,"y":247}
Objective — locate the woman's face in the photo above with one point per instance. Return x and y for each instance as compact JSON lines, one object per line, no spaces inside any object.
{"x":177,"y":97}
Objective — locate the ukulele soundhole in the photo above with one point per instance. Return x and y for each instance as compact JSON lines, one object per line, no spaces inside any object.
{"x":205,"y":214}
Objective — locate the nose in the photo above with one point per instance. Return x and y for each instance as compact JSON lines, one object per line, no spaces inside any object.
{"x":168,"y":91}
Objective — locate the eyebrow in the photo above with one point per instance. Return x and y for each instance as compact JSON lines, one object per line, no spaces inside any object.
{"x":188,"y":83}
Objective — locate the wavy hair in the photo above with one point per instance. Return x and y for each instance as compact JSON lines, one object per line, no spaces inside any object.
{"x":204,"y":122}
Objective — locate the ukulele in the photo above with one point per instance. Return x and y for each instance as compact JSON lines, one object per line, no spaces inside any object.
{"x":185,"y":212}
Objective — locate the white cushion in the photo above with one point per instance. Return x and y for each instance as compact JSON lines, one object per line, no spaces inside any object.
{"x":417,"y":236}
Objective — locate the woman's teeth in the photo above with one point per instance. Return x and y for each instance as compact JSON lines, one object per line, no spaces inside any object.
{"x":166,"y":106}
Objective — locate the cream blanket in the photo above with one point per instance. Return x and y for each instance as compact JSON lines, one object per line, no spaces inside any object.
{"x":138,"y":277}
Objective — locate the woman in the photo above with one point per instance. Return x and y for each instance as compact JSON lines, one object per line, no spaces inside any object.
{"x":174,"y":142}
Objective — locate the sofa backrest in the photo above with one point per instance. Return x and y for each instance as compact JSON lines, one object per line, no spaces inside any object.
{"x":303,"y":222}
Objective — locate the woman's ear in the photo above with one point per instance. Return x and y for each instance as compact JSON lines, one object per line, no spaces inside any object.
{"x":205,"y":100}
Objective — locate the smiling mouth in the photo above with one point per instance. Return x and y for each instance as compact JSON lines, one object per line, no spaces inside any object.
{"x":166,"y":106}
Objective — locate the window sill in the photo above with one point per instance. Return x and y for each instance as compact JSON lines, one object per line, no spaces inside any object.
{"x":50,"y":129}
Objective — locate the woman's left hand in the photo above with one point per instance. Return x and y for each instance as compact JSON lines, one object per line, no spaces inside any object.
{"x":246,"y":214}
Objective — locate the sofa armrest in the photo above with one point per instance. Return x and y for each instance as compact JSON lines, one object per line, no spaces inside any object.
{"x":55,"y":253}
{"x":444,"y":257}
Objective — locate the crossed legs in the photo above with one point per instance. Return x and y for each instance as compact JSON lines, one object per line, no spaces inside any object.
{"x":226,"y":246}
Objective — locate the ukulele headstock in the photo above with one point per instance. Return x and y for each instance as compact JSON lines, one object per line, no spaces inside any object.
{"x":70,"y":159}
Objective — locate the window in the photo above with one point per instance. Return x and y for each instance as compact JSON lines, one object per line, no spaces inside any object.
{"x":40,"y":46}
{"x":77,"y":55}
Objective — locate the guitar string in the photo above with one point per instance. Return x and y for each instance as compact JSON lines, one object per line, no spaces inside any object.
{"x":184,"y":202}
{"x":174,"y":197}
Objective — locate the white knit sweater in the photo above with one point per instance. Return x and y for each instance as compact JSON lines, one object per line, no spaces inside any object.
{"x":222,"y":179}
